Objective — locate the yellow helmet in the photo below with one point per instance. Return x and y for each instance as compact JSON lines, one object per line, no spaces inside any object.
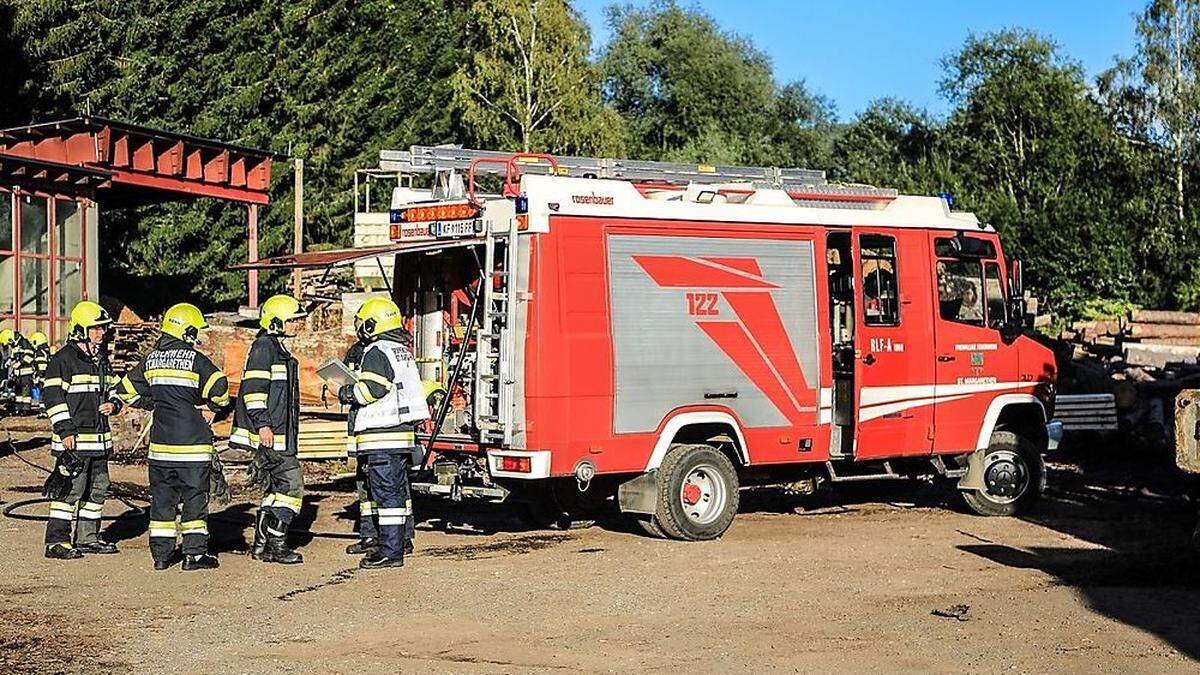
{"x":278,"y":310}
{"x":85,"y":315}
{"x":7,"y":336}
{"x":184,"y":321}
{"x":39,"y":339}
{"x":377,"y":316}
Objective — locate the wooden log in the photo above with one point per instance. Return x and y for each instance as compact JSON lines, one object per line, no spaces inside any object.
{"x":1098,"y":327}
{"x":1163,"y":330}
{"x":1179,"y":341}
{"x":1158,"y":356}
{"x":1163,"y":316}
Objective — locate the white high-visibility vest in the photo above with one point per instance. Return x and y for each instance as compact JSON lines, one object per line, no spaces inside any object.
{"x":405,"y":401}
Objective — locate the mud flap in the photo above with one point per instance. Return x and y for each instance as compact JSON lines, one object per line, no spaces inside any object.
{"x":639,"y":495}
{"x":973,"y":479}
{"x":1187,"y":431}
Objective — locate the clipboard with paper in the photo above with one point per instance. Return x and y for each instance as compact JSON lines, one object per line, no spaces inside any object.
{"x":336,"y":373}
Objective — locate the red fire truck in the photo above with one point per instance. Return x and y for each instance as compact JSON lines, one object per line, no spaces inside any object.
{"x":660,"y":335}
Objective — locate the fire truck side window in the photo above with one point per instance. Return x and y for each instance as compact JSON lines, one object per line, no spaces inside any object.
{"x":881,"y":297}
{"x":997,"y":308}
{"x":959,"y":293}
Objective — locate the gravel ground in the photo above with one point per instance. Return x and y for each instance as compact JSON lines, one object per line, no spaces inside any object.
{"x":874,"y":578}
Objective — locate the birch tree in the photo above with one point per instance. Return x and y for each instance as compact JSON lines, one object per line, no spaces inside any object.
{"x":1167,"y":60}
{"x":528,"y":84}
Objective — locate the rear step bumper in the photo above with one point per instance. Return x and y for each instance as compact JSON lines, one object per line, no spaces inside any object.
{"x":469,"y":491}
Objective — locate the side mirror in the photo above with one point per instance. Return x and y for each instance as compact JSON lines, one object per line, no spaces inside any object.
{"x":1017,"y":306}
{"x":1016,"y":279}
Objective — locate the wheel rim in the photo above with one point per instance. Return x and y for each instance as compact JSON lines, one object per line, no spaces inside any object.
{"x":703,"y":494}
{"x":1005,"y":476}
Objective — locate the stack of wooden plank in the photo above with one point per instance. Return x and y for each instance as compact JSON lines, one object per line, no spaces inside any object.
{"x":322,"y":439}
{"x":129,"y":342}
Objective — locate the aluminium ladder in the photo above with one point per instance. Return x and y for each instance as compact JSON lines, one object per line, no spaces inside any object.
{"x":495,"y":381}
{"x":424,"y":159}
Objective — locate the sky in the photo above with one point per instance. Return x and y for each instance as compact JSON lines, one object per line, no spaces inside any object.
{"x":855,"y":52}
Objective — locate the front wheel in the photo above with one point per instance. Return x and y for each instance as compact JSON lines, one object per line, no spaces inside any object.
{"x":697,"y":494}
{"x":1014,"y":477}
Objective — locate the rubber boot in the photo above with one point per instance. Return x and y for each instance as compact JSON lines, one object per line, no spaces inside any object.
{"x":364,"y":546}
{"x":278,"y":552}
{"x":200,"y":562}
{"x":98,"y":546}
{"x":63,"y":552}
{"x":376,"y":561}
{"x":260,"y":535}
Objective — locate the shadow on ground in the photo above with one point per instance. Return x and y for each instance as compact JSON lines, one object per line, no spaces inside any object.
{"x":1142,"y":572}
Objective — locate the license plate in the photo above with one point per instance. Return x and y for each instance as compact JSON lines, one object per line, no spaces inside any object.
{"x":455,"y":228}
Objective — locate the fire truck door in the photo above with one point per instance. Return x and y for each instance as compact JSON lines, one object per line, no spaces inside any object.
{"x":973,"y":363}
{"x":893,"y":344}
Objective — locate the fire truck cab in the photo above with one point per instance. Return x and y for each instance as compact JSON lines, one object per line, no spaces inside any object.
{"x":659,"y":336}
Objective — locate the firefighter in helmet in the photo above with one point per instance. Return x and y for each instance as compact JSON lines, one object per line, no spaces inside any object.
{"x":21,"y":370}
{"x":79,"y":392}
{"x":267,"y":422}
{"x":7,"y":336}
{"x":368,"y":533}
{"x":387,"y":399}
{"x":41,"y":360}
{"x":185,"y":391}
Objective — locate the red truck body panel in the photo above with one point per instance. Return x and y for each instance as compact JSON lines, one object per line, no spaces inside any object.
{"x":634,"y":321}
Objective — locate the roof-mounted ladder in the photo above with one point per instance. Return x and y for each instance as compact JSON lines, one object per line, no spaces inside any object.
{"x":805,"y":184}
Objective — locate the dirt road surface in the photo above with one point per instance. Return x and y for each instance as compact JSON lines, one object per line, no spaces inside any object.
{"x":878,"y":578}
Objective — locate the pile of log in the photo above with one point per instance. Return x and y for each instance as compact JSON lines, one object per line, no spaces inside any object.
{"x":1146,"y":338}
{"x":130,"y":341}
{"x":326,"y":285}
{"x":1143,"y":359}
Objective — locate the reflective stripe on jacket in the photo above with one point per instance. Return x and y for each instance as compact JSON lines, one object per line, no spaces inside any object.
{"x":173,"y":380}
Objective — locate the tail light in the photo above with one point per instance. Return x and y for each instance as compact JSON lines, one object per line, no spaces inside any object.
{"x":516,"y":464}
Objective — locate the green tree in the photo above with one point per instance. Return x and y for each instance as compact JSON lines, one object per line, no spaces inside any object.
{"x":528,"y":84}
{"x":1035,"y":156}
{"x":1168,"y":66}
{"x":331,"y":81}
{"x":691,"y":92}
{"x":892,"y":144}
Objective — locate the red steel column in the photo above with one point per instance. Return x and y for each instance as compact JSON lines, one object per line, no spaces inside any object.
{"x":253,"y":255}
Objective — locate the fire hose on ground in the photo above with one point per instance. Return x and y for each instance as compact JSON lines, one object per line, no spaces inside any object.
{"x":136,"y":511}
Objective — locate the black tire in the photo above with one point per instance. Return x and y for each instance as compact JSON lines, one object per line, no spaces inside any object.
{"x":650,"y":527}
{"x":1016,"y":480}
{"x":718,"y":505}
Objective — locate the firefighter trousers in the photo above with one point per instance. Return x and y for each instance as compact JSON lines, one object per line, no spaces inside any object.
{"x":24,"y":394}
{"x":367,"y":527}
{"x":387,"y":480}
{"x":368,"y":516}
{"x":178,"y":489}
{"x":284,"y":493}
{"x":83,"y":506}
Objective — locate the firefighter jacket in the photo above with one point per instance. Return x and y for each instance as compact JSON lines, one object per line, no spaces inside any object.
{"x":387,"y":397}
{"x":269,"y":396}
{"x":41,"y":361}
{"x":76,"y":384}
{"x":21,"y":358}
{"x":173,"y":380}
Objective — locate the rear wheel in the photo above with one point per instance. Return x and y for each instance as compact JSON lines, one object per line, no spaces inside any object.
{"x":697,"y":494}
{"x":1014,"y":477}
